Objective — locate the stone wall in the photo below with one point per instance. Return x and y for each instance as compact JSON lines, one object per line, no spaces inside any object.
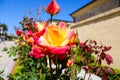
{"x":103,"y":28}
{"x":110,"y":4}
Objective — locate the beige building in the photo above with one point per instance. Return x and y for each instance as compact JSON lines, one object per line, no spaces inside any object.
{"x":100,"y":20}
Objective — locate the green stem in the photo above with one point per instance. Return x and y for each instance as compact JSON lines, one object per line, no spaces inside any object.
{"x":96,"y":60}
{"x":50,"y":64}
{"x":56,"y":57}
{"x":51,"y":16}
{"x":73,"y":72}
{"x":45,"y":60}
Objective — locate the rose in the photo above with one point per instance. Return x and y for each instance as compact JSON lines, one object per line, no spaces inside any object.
{"x":56,"y":39}
{"x":40,"y":26}
{"x":30,"y":36}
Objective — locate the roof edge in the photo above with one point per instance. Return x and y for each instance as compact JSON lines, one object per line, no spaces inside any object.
{"x":83,"y":7}
{"x":59,"y":20}
{"x":105,"y":14}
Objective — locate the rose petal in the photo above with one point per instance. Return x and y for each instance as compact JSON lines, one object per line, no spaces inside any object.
{"x":60,"y":50}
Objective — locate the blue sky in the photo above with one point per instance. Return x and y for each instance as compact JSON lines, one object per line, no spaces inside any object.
{"x":13,"y":11}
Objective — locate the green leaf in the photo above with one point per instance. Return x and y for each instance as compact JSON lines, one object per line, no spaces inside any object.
{"x":5,"y":49}
{"x":77,"y":59}
{"x":38,"y":65}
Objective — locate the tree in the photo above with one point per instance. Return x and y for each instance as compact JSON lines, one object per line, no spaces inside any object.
{"x":3,"y":28}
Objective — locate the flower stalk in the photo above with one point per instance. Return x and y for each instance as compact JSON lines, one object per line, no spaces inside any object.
{"x":56,"y":63}
{"x":51,"y":17}
{"x":50,"y":64}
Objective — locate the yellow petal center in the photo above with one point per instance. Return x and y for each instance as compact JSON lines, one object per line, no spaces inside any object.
{"x":55,"y":36}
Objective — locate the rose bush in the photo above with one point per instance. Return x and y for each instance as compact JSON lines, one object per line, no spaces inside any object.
{"x":49,"y":51}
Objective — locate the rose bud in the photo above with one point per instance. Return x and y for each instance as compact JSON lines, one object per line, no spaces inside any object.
{"x":18,"y":32}
{"x":53,"y":8}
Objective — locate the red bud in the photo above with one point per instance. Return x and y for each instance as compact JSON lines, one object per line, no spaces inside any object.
{"x":53,"y":8}
{"x":18,"y":32}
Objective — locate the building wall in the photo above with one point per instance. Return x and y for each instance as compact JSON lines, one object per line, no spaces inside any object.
{"x":103,"y":28}
{"x":110,"y":4}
